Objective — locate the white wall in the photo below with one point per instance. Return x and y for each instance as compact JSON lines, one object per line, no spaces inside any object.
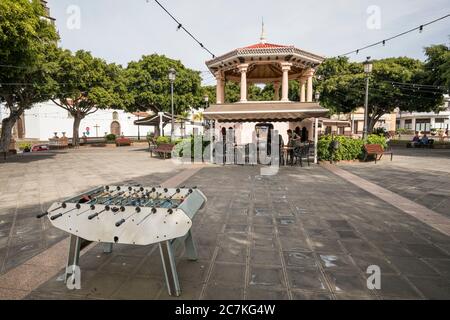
{"x":46,"y":118}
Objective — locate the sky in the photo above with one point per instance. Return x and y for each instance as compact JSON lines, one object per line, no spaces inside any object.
{"x":123,"y":30}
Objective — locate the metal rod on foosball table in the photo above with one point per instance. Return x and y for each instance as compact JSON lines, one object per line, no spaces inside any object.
{"x":56,"y":216}
{"x":121,"y":221}
{"x":92,"y":216}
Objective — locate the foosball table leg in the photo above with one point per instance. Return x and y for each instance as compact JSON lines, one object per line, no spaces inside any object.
{"x":191,"y":250}
{"x":73,"y":260}
{"x":170,"y":269}
{"x":107,"y":248}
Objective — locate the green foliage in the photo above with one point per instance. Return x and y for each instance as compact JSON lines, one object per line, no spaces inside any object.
{"x":437,"y":66}
{"x":162,"y":139}
{"x":379,"y":131}
{"x":25,"y":41}
{"x":25,"y":145}
{"x":342,"y":87}
{"x":190,"y":144}
{"x":349,"y":148}
{"x":110,"y":137}
{"x":377,"y":139}
{"x":149,"y":87}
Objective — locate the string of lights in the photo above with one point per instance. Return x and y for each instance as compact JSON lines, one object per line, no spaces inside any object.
{"x":384,"y":41}
{"x":180,"y":26}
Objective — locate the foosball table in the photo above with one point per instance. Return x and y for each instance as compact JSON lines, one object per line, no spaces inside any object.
{"x":129,"y":215}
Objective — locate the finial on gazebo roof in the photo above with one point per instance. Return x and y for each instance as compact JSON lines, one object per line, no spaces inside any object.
{"x":263,"y":33}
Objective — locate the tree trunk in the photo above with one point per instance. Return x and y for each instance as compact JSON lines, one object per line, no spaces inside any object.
{"x":372,"y":120}
{"x":76,"y":129}
{"x":5,"y":138}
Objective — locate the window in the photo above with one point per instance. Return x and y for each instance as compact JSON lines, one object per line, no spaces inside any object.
{"x":423,"y":125}
{"x":397,"y":124}
{"x":408,"y":124}
{"x":115,"y":115}
{"x":439,"y":123}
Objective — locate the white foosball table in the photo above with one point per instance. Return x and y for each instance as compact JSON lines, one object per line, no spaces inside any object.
{"x":129,"y":215}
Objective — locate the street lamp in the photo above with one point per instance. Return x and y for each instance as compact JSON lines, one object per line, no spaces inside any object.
{"x":172,"y":75}
{"x":367,"y":70}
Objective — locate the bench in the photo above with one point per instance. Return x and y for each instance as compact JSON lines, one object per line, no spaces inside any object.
{"x":123,"y":142}
{"x":376,"y":150}
{"x":163,"y":149}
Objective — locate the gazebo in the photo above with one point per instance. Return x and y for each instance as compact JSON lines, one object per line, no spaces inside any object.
{"x":264,"y":63}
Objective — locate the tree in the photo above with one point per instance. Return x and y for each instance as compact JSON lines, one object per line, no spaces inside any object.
{"x":85,"y":84}
{"x":342,"y":87}
{"x":149,"y":87}
{"x":26,"y":38}
{"x":437,"y":66}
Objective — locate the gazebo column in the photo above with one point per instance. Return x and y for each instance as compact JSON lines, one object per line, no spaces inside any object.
{"x":285,"y":67}
{"x":302,"y":90}
{"x":243,"y":70}
{"x":309,"y":97}
{"x":276,"y":88}
{"x":220,"y":88}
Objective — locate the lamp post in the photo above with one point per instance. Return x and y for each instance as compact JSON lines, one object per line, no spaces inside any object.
{"x":172,"y":75}
{"x":367,"y":70}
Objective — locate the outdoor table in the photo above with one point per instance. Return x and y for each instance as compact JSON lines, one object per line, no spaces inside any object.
{"x":286,"y":154}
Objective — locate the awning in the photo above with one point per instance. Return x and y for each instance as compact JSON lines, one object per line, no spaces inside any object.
{"x":272,"y":111}
{"x":153,"y":120}
{"x":335,"y":122}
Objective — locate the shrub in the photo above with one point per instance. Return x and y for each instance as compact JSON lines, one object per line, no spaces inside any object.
{"x":110,"y":137}
{"x":349,"y":148}
{"x":189,"y":144}
{"x":25,"y":146}
{"x":377,"y":139}
{"x":162,"y":139}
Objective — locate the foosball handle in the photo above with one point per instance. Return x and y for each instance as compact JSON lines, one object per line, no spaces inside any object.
{"x":119,"y":223}
{"x":92,"y":216}
{"x":40,"y":215}
{"x":56,"y":216}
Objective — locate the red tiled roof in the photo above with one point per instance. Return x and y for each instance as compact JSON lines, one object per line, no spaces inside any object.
{"x":264,"y":45}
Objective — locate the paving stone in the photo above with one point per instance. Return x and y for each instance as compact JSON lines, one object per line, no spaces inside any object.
{"x":228,"y":274}
{"x":265,"y":257}
{"x":304,"y":295}
{"x":265,"y":276}
{"x":300,"y":259}
{"x":396,"y":286}
{"x":349,"y":283}
{"x":232,"y":254}
{"x":220,"y":292}
{"x":427,"y":251}
{"x":139,"y":288}
{"x":412,"y":266}
{"x":306,"y":279}
{"x":263,"y":293}
{"x":432,"y":288}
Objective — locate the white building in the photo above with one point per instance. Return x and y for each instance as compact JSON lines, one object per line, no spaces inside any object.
{"x":425,"y":121}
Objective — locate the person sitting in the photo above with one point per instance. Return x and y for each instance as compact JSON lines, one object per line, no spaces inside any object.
{"x":424,"y":141}
{"x":416,"y":139}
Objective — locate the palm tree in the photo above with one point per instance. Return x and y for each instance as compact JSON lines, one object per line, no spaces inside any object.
{"x":198,"y":117}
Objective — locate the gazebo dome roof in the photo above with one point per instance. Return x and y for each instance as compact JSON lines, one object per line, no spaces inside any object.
{"x":264,"y":62}
{"x":264,"y":45}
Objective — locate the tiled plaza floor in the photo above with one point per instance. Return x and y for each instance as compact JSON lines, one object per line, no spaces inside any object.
{"x":421,"y":175}
{"x":29,"y":183}
{"x":301,"y":234}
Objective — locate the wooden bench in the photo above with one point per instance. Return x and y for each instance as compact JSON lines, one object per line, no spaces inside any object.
{"x":163,"y":149}
{"x":376,"y":150}
{"x":123,"y":142}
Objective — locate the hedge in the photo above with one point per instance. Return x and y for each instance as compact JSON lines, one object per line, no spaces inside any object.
{"x":349,"y":148}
